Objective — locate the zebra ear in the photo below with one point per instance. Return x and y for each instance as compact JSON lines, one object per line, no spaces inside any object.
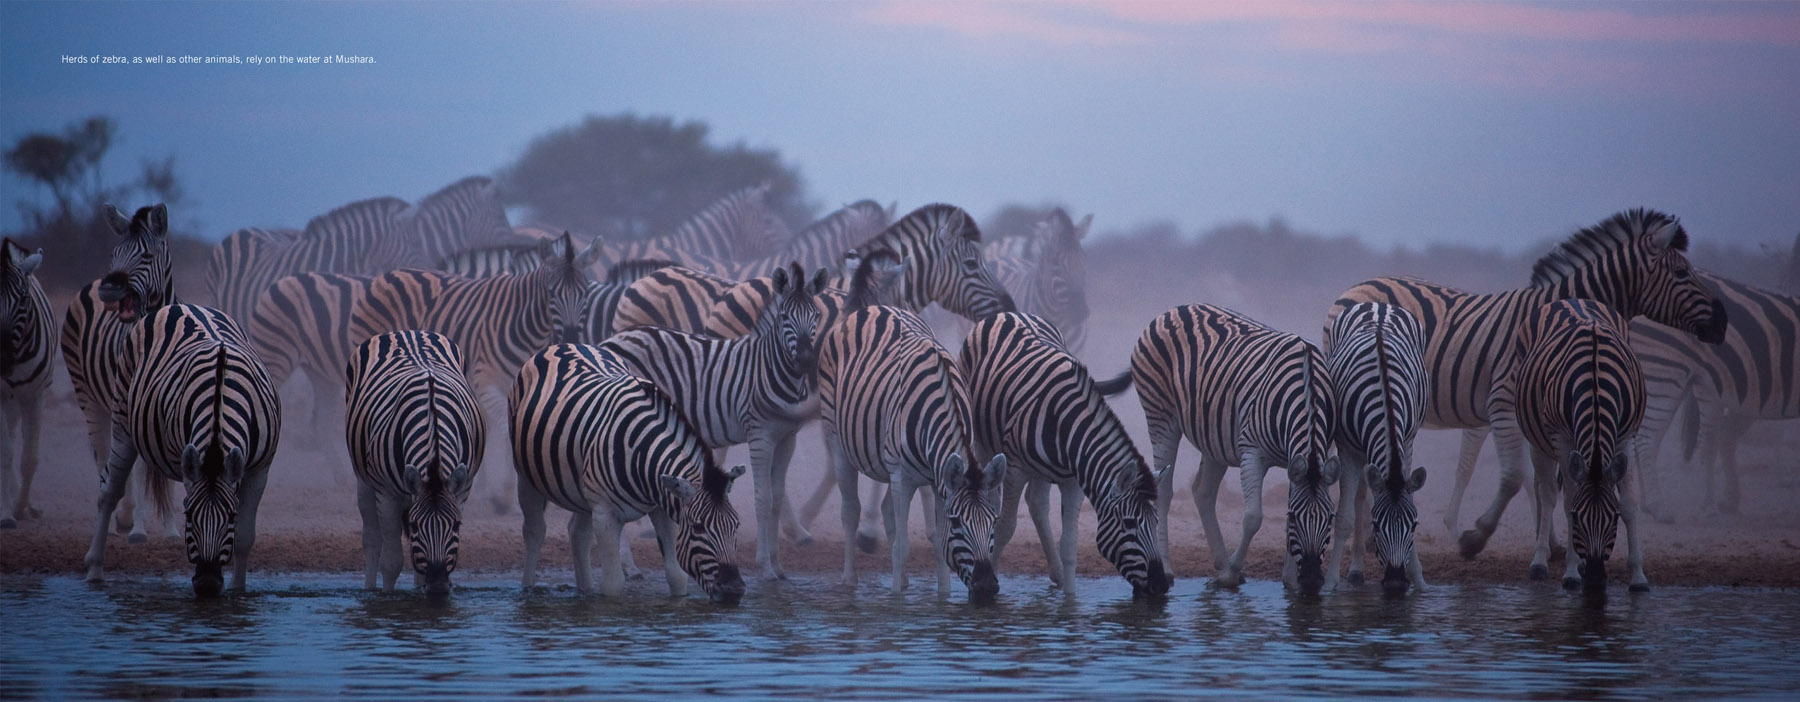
{"x":1081,"y":227}
{"x":1165,"y":479}
{"x":190,"y":461}
{"x":1373,"y":475}
{"x":590,"y":254}
{"x":121,"y":225}
{"x":157,"y":219}
{"x":234,"y":466}
{"x":682,"y":489}
{"x":893,"y":208}
{"x":993,"y":475}
{"x":412,"y":478}
{"x":459,"y":477}
{"x":1328,"y":473}
{"x":779,"y":281}
{"x":1669,"y":234}
{"x":953,"y":227}
{"x":1571,"y":468}
{"x":31,"y":262}
{"x":731,"y":477}
{"x":1615,"y":471}
{"x":1416,"y":480}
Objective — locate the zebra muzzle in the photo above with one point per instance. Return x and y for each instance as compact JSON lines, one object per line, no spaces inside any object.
{"x":1393,"y":580}
{"x":209,"y":579}
{"x":728,"y":586}
{"x":1156,"y":584}
{"x":984,"y":585}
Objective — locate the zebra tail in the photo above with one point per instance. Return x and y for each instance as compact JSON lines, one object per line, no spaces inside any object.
{"x":1115,"y":386}
{"x":156,"y":491}
{"x":1690,"y":425}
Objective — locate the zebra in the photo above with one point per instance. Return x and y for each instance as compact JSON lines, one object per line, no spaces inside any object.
{"x":1245,"y":395}
{"x":199,"y":410}
{"x":98,"y":322}
{"x":896,"y":409}
{"x":818,"y":245}
{"x":1579,"y":398}
{"x":1633,"y":262}
{"x":1033,"y":401}
{"x":1379,"y":383}
{"x":1047,"y":273}
{"x":249,"y":260}
{"x":756,"y":389}
{"x":25,"y":357}
{"x":603,"y":305}
{"x":675,"y":297}
{"x":415,"y":436}
{"x":1752,"y":375}
{"x":499,"y":321}
{"x":464,"y":214}
{"x":517,"y":257}
{"x":610,"y":447}
{"x":739,"y":226}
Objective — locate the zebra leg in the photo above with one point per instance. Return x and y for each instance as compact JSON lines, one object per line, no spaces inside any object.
{"x":1071,"y":532}
{"x":1009,"y":511}
{"x":1037,"y":500}
{"x":1472,"y":439}
{"x":937,"y":533}
{"x":1546,"y":485}
{"x":665,"y":541}
{"x":810,"y":510}
{"x":784,"y":457}
{"x":768,"y":525}
{"x":250,"y":494}
{"x":113,"y":481}
{"x":10,"y":497}
{"x":1726,"y":444}
{"x":1634,"y":558}
{"x":371,"y":533}
{"x":391,"y":514}
{"x":848,"y":510}
{"x":628,"y":560}
{"x":581,"y":542}
{"x":1165,"y":442}
{"x":531,"y":506}
{"x":1344,"y":527}
{"x":1509,"y":442}
{"x":900,"y":494}
{"x":1250,"y":472}
{"x":31,"y":428}
{"x":875,"y":506}
{"x":1206,"y":500}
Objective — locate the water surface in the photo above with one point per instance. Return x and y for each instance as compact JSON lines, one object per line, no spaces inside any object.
{"x":316,"y":635}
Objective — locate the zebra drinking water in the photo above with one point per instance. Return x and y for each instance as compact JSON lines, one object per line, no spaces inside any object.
{"x":610,"y":448}
{"x":1374,"y":354}
{"x":415,"y":434}
{"x":1250,"y":396}
{"x":25,"y":355}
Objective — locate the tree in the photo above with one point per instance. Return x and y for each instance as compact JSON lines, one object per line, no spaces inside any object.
{"x":67,"y":164}
{"x":631,"y":177}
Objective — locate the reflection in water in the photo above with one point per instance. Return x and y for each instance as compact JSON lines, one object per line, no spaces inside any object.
{"x":313,"y":635}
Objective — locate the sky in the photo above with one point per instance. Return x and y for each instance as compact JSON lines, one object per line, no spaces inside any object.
{"x":1492,"y":124}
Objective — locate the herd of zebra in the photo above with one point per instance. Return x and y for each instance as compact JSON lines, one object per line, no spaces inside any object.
{"x":619,"y":373}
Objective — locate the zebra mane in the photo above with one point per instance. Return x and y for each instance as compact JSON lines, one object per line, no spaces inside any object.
{"x":630,"y":270}
{"x":1597,"y":242}
{"x":713,"y":479}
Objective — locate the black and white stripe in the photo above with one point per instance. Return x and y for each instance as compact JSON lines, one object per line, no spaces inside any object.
{"x":463,"y":215}
{"x":1033,"y":401}
{"x":1633,"y":262}
{"x":937,"y":250}
{"x":248,"y":261}
{"x":1047,"y":273}
{"x":415,"y":434}
{"x":756,"y":389}
{"x":25,"y":357}
{"x":1579,"y":397}
{"x":1249,"y":396}
{"x":1377,"y":367}
{"x":199,"y":410}
{"x":610,"y":447}
{"x":896,"y":409}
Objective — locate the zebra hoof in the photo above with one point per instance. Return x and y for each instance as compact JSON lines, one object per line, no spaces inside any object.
{"x":1356,"y":578}
{"x":804,"y":541}
{"x":1571,"y":583}
{"x":867,"y":543}
{"x":1471,"y":543}
{"x":9,"y":523}
{"x":1640,"y":587}
{"x":137,"y":538}
{"x":1539,"y":572}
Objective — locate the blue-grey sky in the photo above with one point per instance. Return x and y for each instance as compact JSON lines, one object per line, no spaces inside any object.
{"x":1487,"y":123}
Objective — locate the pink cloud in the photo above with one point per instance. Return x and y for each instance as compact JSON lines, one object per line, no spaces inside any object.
{"x":985,"y":20}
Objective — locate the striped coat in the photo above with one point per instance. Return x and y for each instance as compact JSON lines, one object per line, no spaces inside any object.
{"x":248,"y":261}
{"x":199,"y":411}
{"x":1033,"y":401}
{"x":610,"y":447}
{"x":25,"y":358}
{"x":415,"y":435}
{"x":1578,"y":394}
{"x":896,"y":409}
{"x":1249,"y":396}
{"x":1047,"y":273}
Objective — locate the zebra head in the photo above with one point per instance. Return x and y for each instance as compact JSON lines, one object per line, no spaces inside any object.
{"x":1592,"y":500}
{"x":877,"y":279}
{"x":961,"y":278}
{"x":211,"y":508}
{"x":706,"y":535}
{"x":15,"y":298}
{"x":1395,"y":519}
{"x":434,"y":523}
{"x":761,"y":230}
{"x":139,"y":281}
{"x":567,"y":285}
{"x":1062,"y":274}
{"x":1636,"y":262}
{"x":793,"y":318}
{"x":1310,"y":517}
{"x":1128,"y":536}
{"x":969,"y":498}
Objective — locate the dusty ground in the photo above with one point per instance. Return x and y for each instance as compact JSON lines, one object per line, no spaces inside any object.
{"x":309,"y":521}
